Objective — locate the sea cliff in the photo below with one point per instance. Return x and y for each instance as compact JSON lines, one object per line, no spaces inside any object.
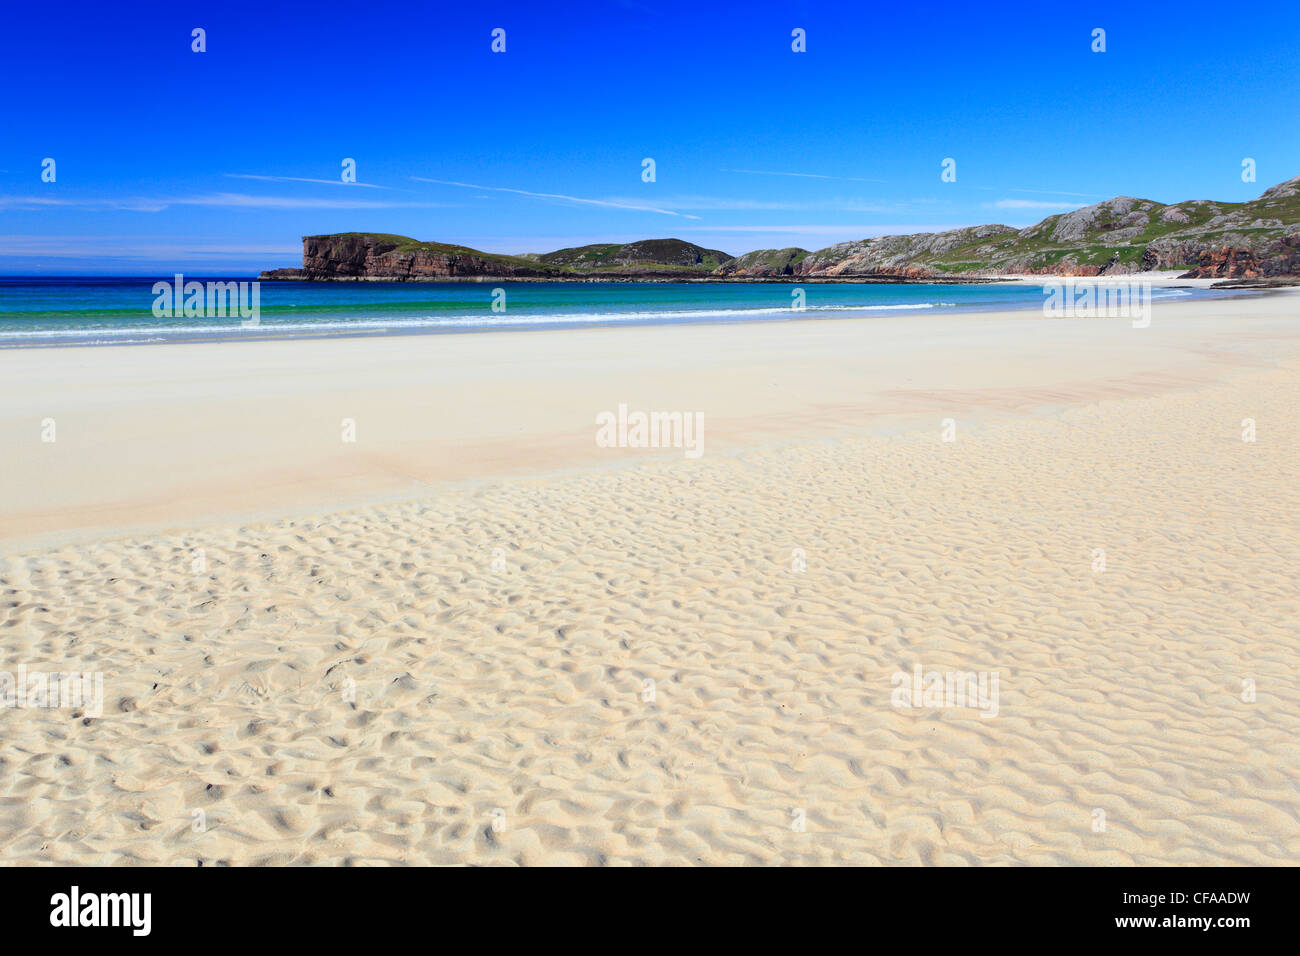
{"x":1201,"y":238}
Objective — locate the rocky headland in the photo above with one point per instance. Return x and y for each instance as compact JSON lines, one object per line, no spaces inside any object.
{"x":1201,"y":238}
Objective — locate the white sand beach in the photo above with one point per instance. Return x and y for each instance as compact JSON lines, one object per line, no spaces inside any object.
{"x":473,"y":636}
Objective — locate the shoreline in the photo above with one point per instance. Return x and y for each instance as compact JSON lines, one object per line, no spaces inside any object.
{"x":638,"y":278}
{"x":1030,"y":278}
{"x":656,"y":660}
{"x":196,"y":433}
{"x":388,"y":327}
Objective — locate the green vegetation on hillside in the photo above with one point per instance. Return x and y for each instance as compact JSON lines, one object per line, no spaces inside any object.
{"x":669,"y":253}
{"x":1124,"y":234}
{"x":1122,"y":229}
{"x":648,"y":255}
{"x":405,"y":244}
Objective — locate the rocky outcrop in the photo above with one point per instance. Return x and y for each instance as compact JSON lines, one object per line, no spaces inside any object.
{"x":897,"y":256}
{"x":368,"y":256}
{"x":1121,"y":219}
{"x":636,"y":256}
{"x":1202,"y":238}
{"x":1239,"y":256}
{"x":910,"y":256}
{"x":764,"y":262}
{"x":1119,"y":236}
{"x":364,"y":256}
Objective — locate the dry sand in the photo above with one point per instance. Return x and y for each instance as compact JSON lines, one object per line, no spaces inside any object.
{"x":552,"y":653}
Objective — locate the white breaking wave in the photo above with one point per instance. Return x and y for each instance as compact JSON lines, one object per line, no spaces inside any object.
{"x":467,"y":321}
{"x":99,"y":335}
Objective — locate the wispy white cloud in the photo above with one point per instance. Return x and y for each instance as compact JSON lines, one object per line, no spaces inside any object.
{"x":1039,"y":192}
{"x":763,"y":205}
{"x":243,"y":200}
{"x":36,"y":202}
{"x":606,"y":203}
{"x":1031,"y":204}
{"x":769,"y":172}
{"x":1057,"y":192}
{"x":744,"y":238}
{"x":821,"y":229}
{"x":227,"y":200}
{"x":716,"y":202}
{"x":301,"y":179}
{"x":140,"y":247}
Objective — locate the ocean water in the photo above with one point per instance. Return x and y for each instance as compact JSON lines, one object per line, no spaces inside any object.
{"x":103,"y":311}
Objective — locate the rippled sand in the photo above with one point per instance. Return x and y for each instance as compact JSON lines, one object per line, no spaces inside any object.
{"x":367,"y":688}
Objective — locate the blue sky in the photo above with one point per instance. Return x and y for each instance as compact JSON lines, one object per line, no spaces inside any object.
{"x":218,"y":162}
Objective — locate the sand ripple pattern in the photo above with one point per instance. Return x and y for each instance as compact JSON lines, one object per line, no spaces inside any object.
{"x":503,"y":716}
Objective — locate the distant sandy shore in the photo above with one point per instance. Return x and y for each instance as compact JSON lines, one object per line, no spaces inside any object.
{"x":472,"y":635}
{"x":167,"y":436}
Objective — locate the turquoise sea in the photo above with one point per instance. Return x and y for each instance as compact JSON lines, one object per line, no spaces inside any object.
{"x":104,"y":311}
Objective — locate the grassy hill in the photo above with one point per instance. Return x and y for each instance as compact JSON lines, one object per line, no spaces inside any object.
{"x":664,"y":253}
{"x":377,"y":255}
{"x":1258,"y":238}
{"x":1118,"y":235}
{"x":405,"y":245}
